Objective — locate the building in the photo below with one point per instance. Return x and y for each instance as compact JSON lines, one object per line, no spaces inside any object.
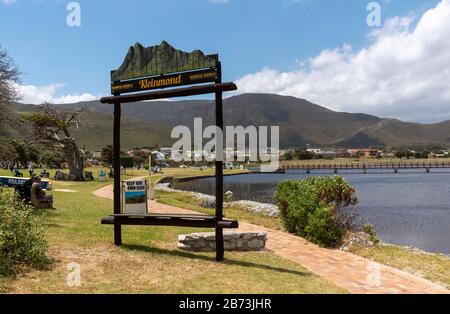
{"x":315,"y":151}
{"x":365,"y":152}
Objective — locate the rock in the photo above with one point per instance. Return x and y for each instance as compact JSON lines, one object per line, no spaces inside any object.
{"x":231,"y":235}
{"x":256,"y":244}
{"x":233,"y":241}
{"x":182,"y":246}
{"x":229,"y":245}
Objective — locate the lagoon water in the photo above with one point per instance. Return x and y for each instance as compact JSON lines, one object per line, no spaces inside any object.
{"x":410,"y":208}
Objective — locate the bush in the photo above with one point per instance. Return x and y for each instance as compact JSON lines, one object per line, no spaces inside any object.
{"x":319,"y":209}
{"x":22,"y":241}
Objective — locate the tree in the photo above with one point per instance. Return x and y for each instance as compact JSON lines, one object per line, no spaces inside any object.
{"x":9,"y":80}
{"x":303,"y":155}
{"x":25,"y":152}
{"x":7,"y":152}
{"x":53,"y":126}
{"x":107,"y":155}
{"x":51,"y":158}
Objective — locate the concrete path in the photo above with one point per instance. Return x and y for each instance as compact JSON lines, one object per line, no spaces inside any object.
{"x":346,"y":270}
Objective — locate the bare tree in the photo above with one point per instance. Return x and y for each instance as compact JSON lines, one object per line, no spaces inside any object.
{"x":9,"y":80}
{"x":53,"y":126}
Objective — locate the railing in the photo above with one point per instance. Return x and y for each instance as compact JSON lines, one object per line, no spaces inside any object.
{"x":366,"y":166}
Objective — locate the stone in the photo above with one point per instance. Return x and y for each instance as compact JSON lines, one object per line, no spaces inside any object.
{"x":256,"y":244}
{"x":199,"y":244}
{"x":248,"y":236}
{"x":262,"y":235}
{"x":231,"y":235}
{"x":233,"y":241}
{"x":182,"y":246}
{"x":229,"y":245}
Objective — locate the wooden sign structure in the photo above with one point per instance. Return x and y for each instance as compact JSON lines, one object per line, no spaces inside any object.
{"x":158,"y":72}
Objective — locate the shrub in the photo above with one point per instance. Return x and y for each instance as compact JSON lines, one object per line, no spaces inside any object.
{"x":320,"y":209}
{"x":22,"y":241}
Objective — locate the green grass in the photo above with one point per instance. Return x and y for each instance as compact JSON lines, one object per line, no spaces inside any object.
{"x":149,"y":261}
{"x":434,"y":267}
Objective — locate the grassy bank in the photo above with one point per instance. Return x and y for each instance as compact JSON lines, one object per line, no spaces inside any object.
{"x":149,"y":261}
{"x":433,"y":267}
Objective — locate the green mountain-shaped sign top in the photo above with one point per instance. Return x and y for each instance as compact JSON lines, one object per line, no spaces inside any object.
{"x":157,"y":60}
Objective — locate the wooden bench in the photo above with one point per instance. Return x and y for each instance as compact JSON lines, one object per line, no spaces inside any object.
{"x":179,"y":220}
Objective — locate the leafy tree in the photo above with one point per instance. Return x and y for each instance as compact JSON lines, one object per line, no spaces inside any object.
{"x":303,"y":155}
{"x":7,"y":152}
{"x":403,"y":154}
{"x":140,"y":157}
{"x":288,"y":156}
{"x":9,"y":79}
{"x":318,"y":208}
{"x":422,"y":155}
{"x":51,"y":158}
{"x":53,"y":127}
{"x":107,"y":155}
{"x":25,"y":152}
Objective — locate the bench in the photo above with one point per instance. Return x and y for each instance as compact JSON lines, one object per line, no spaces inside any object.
{"x":179,"y":220}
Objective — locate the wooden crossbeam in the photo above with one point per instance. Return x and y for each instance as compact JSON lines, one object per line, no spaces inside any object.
{"x":169,"y":93}
{"x":197,"y":221}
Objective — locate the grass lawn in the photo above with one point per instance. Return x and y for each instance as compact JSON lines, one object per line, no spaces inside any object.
{"x":148,"y":262}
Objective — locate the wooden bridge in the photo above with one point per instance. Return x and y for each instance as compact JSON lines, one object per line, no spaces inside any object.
{"x":364,"y":167}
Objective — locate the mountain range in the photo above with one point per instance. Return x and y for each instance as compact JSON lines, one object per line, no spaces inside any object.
{"x":301,"y":122}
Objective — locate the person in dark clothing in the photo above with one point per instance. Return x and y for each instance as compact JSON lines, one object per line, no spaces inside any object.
{"x":27,"y":187}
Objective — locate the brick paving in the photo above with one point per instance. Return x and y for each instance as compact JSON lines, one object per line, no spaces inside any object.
{"x":346,"y":270}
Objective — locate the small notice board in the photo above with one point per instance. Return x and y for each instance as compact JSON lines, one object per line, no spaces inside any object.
{"x":134,"y":197}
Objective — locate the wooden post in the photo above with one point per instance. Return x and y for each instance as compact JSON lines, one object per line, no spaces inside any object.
{"x":117,"y":174}
{"x":219,"y":172}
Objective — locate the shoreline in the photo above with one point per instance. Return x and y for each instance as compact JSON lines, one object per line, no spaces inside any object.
{"x":261,"y":208}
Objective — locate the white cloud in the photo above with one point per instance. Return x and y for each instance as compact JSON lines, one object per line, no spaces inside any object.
{"x":31,"y":94}
{"x":8,"y":2}
{"x":404,"y":72}
{"x":219,"y":1}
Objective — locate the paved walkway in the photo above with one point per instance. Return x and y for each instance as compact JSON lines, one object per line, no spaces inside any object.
{"x":346,"y":270}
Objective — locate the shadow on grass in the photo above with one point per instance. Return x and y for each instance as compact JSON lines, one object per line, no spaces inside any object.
{"x":154,"y":250}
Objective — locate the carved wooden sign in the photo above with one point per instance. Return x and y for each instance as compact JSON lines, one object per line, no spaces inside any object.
{"x":162,"y":66}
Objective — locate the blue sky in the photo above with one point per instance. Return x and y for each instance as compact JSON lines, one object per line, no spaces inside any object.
{"x":249,"y":35}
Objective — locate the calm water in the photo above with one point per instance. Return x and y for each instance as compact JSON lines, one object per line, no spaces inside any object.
{"x":411,"y":208}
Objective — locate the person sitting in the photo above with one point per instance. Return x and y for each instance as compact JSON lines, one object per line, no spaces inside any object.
{"x":26,"y":189}
{"x":44,"y":174}
{"x":17,"y":173}
{"x":38,"y":197}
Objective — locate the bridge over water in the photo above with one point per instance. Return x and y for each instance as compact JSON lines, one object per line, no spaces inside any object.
{"x":364,"y":167}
